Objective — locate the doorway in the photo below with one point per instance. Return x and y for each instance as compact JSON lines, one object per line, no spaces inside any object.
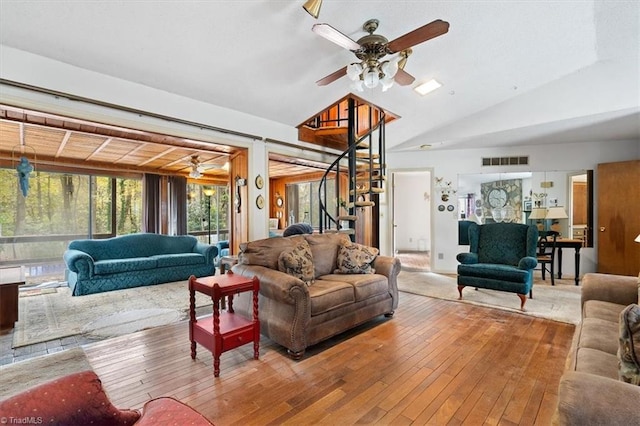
{"x":411,"y":211}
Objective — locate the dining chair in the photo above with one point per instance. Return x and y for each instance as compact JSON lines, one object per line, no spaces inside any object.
{"x":546,"y":253}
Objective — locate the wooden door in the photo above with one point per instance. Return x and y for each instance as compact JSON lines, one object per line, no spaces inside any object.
{"x":618,"y":217}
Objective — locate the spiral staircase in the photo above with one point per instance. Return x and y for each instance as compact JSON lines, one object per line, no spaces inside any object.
{"x":350,"y":188}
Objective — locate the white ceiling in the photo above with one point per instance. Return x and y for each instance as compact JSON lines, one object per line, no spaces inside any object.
{"x":513,"y":72}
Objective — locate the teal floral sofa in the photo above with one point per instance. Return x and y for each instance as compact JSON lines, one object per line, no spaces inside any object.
{"x":134,"y":260}
{"x":501,"y":257}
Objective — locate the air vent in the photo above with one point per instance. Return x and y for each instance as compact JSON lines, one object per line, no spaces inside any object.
{"x":505,"y":161}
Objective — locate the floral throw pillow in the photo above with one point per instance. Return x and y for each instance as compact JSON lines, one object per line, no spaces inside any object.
{"x":298,"y":262}
{"x":355,"y":258}
{"x":629,"y":348}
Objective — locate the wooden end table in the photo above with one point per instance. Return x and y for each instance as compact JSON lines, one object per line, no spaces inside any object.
{"x":223,"y":331}
{"x":10,"y":281}
{"x":227,"y":262}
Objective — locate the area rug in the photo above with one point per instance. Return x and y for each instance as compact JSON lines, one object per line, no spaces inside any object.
{"x":23,"y":375}
{"x":50,"y":316}
{"x":560,"y":302}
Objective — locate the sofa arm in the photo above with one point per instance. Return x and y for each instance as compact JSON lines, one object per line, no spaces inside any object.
{"x":274,"y":284}
{"x":467,"y":258}
{"x":208,"y":251}
{"x":587,"y":399}
{"x":619,"y":289}
{"x":390,"y":268}
{"x":79,"y":262}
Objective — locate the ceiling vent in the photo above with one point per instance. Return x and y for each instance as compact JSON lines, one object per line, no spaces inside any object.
{"x":505,"y":161}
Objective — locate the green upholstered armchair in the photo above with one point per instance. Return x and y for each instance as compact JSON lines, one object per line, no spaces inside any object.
{"x":501,"y":257}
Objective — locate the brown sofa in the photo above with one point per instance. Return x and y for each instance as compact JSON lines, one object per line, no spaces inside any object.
{"x":590,"y":392}
{"x":297,"y":315}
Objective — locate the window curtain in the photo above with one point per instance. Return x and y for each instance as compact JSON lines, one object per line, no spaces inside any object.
{"x":151,"y":205}
{"x":178,"y":212}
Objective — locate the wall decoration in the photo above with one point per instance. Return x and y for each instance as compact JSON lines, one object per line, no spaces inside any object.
{"x":260,"y":202}
{"x":450,"y":208}
{"x":444,"y":188}
{"x":259,"y":182}
{"x":502,"y":200}
{"x":441,"y":208}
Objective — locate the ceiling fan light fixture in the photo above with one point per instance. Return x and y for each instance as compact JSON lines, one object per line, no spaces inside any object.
{"x":389,"y":68}
{"x":371,"y":77}
{"x":354,"y":70}
{"x":427,"y":87}
{"x":357,"y":85}
{"x":387,"y":83}
{"x":313,"y":7}
{"x":195,"y":173}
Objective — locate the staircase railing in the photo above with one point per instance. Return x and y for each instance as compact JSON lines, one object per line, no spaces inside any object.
{"x":330,"y":221}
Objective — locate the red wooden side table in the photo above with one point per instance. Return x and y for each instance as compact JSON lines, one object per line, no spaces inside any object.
{"x":223,"y":331}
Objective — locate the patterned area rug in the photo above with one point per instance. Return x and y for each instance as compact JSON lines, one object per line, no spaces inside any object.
{"x":50,"y":316}
{"x":560,"y":302}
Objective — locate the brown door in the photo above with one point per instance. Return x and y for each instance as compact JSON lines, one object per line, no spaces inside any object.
{"x":618,"y":217}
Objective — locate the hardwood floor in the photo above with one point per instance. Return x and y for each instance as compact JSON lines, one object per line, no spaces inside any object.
{"x":436,"y":362}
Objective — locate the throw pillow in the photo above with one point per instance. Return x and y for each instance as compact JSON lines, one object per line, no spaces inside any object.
{"x":355,"y":258}
{"x":298,"y":262}
{"x":629,"y":348}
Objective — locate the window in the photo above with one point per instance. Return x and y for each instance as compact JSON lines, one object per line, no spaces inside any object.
{"x":208,"y":212}
{"x":303,"y":202}
{"x":61,"y":207}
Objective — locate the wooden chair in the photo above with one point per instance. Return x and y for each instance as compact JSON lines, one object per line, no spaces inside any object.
{"x":546,"y":253}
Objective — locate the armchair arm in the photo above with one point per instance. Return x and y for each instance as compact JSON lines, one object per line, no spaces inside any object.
{"x":208,"y":251}
{"x":527,"y":263}
{"x":79,"y":262}
{"x":619,"y":289}
{"x":467,"y":258}
{"x":274,"y":284}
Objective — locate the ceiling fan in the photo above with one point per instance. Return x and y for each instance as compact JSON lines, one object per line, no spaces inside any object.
{"x":371,"y":48}
{"x":198,"y":168}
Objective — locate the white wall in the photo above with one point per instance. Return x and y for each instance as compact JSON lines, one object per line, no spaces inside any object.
{"x":449,"y":163}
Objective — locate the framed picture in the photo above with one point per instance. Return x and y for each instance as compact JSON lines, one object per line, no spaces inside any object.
{"x":526,"y":206}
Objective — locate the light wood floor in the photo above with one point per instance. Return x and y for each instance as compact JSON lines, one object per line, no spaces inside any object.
{"x":435,"y":362}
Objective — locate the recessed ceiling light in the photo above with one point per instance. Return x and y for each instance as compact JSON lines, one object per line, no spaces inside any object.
{"x":427,"y":87}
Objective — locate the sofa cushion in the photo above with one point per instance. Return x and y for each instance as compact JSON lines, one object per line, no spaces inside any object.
{"x":75,"y":399}
{"x":297,"y":262}
{"x":169,"y":411}
{"x":355,"y":258}
{"x":603,"y":310}
{"x":629,"y":347}
{"x":364,"y":285}
{"x":324,"y":248}
{"x":596,"y":362}
{"x":265,"y":252}
{"x":181,"y":259}
{"x":114,"y":266}
{"x":599,"y":334}
{"x":328,"y":295}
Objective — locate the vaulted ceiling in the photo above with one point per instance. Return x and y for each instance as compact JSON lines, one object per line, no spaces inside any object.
{"x":513,"y":72}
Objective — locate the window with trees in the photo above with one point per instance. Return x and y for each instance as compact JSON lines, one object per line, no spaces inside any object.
{"x":208,"y":212}
{"x":303,"y":201}
{"x":61,"y":207}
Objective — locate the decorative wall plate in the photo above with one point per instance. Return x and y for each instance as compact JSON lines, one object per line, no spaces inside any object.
{"x":450,"y":208}
{"x":259,"y":182}
{"x":441,"y":208}
{"x":279,"y":201}
{"x":260,"y":202}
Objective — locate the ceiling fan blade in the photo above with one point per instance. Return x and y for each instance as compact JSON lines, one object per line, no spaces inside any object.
{"x":403,"y":78}
{"x":332,"y":77}
{"x":419,"y":35}
{"x":335,"y":36}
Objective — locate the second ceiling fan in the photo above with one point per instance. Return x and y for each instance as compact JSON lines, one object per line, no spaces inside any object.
{"x":371,"y":48}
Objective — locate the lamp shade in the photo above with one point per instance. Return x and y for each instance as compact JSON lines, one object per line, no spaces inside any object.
{"x":556,"y":213}
{"x":313,"y":7}
{"x":538,"y":213}
{"x":637,"y":240}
